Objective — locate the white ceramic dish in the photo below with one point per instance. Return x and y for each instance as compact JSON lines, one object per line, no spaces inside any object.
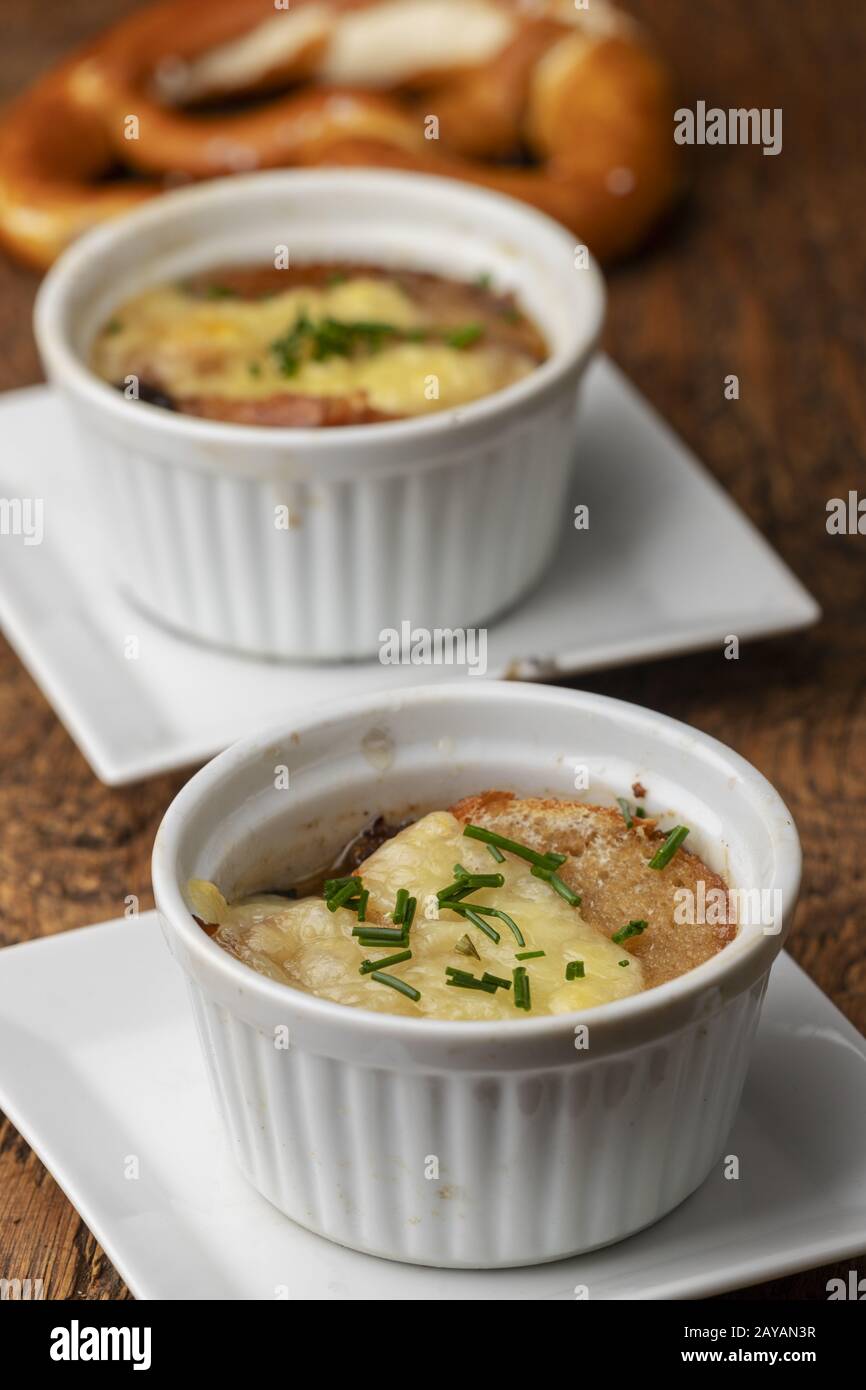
{"x":553,"y":1149}
{"x":635,"y":586}
{"x":99,"y":1060}
{"x":443,"y":520}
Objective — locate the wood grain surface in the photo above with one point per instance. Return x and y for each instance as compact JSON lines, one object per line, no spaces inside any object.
{"x":763,"y":274}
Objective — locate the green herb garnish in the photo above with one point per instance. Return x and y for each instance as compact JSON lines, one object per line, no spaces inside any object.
{"x":522,"y":997}
{"x":362,"y":904}
{"x":623,"y":962}
{"x":471,"y":915}
{"x":665,"y":853}
{"x":476,"y":908}
{"x":497,"y":853}
{"x":113,"y":326}
{"x":400,"y":985}
{"x":639,"y":811}
{"x":400,"y":906}
{"x":575,"y":970}
{"x":367,"y":967}
{"x":409,"y":913}
{"x":453,"y":893}
{"x":466,"y":947}
{"x":469,"y":880}
{"x":462,"y":979}
{"x":331,"y":885}
{"x":347,"y":890}
{"x":329,"y":337}
{"x":626,"y":813}
{"x":469,"y":983}
{"x":496,"y":980}
{"x":490,"y":837}
{"x":529,"y":955}
{"x":557,"y":884}
{"x":220,"y":292}
{"x":379,"y":936}
{"x":464,"y":337}
{"x":630,"y":929}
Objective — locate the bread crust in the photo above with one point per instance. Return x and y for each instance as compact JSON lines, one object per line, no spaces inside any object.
{"x":608,"y":864}
{"x":573,"y":116}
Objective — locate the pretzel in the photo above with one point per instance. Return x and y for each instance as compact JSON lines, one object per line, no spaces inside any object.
{"x":564,"y":107}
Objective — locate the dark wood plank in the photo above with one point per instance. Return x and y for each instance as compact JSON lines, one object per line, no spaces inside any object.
{"x":763,"y":274}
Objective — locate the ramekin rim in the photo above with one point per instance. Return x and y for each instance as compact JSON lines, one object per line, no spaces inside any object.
{"x":58,"y":352}
{"x":635,"y":1008}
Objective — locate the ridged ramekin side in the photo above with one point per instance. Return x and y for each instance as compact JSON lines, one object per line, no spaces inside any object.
{"x":479,"y":1169}
{"x":317,"y":569}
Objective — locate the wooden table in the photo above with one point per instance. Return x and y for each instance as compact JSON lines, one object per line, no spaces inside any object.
{"x":763,"y":274}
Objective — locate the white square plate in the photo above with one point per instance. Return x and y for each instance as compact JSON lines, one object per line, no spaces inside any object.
{"x":669,"y":564}
{"x":100,"y":1063}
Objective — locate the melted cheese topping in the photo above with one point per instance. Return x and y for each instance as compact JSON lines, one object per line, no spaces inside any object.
{"x":200,"y":347}
{"x":304,"y":945}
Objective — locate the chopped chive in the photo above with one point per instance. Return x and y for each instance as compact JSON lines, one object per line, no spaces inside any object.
{"x":626,"y":813}
{"x":409,"y":913}
{"x":453,"y":893}
{"x":400,"y":905}
{"x":362,"y":904}
{"x":477,"y":921}
{"x":464,"y":337}
{"x":529,"y":955}
{"x":477,"y":908}
{"x":220,"y":292}
{"x":368,"y":966}
{"x":640,"y":811}
{"x":497,"y":853}
{"x":466,"y":947}
{"x":490,"y":837}
{"x":463,"y":980}
{"x":623,"y":962}
{"x":557,"y":884}
{"x":555,"y":859}
{"x":665,"y":853}
{"x":400,"y":985}
{"x":572,"y":898}
{"x":385,"y":934}
{"x":510,"y":924}
{"x":575,"y":970}
{"x":332,"y":885}
{"x":522,"y":997}
{"x":630,"y":929}
{"x":478,"y":880}
{"x":496,"y":980}
{"x":342,"y":895}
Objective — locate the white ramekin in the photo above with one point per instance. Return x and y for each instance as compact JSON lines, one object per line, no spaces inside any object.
{"x":443,"y":521}
{"x":542,"y":1149}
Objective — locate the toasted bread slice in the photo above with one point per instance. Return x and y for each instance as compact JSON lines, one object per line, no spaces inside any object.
{"x":608,"y":865}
